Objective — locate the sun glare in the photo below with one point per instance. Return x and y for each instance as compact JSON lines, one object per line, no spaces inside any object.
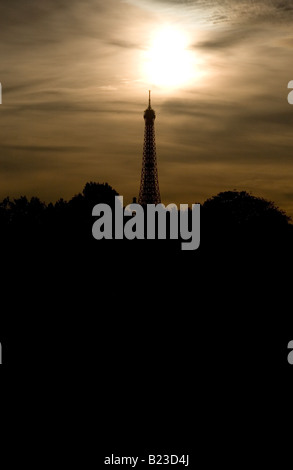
{"x":168,"y":62}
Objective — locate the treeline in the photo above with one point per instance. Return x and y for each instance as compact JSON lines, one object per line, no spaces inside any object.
{"x":31,"y":218}
{"x":229,"y":220}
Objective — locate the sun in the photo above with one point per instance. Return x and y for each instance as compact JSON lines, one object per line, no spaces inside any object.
{"x":169,"y":62}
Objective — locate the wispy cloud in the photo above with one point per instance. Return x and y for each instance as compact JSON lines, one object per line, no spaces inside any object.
{"x":223,"y":11}
{"x":107,"y":88}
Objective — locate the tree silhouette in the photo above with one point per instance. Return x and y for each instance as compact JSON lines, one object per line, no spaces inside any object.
{"x":235,"y":207}
{"x":96,"y":193}
{"x":231,"y":222}
{"x":236,"y":223}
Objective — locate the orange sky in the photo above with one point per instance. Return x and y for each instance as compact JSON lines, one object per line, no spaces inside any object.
{"x":75,"y":87}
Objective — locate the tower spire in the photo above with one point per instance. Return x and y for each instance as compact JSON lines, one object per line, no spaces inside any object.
{"x":149,"y":185}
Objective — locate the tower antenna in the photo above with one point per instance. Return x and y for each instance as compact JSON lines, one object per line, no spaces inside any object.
{"x":149,"y":98}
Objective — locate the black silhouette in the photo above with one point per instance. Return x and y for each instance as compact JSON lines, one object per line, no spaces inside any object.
{"x":234,"y":222}
{"x":144,"y":308}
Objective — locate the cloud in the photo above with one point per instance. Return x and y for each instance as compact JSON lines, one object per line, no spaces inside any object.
{"x":107,"y":88}
{"x":124,"y":44}
{"x":225,"y":11}
{"x":42,"y":148}
{"x":225,"y":39}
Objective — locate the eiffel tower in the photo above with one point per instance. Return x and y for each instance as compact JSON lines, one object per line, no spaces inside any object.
{"x":149,"y":184}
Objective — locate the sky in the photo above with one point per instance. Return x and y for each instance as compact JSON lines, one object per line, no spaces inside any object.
{"x":75,"y":78}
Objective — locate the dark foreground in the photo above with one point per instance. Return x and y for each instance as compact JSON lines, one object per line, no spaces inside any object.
{"x":166,"y":350}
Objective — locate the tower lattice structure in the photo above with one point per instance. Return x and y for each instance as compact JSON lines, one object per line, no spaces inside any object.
{"x":149,"y":185}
